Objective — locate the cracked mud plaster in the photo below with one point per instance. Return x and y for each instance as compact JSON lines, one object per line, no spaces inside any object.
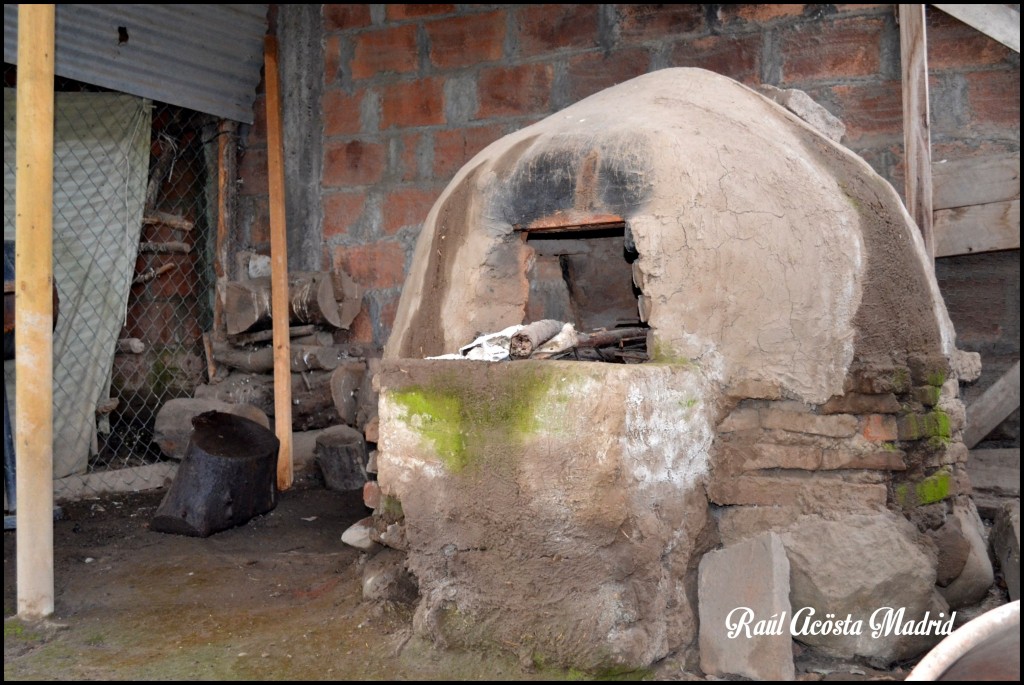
{"x":766,"y":249}
{"x":769,"y":257}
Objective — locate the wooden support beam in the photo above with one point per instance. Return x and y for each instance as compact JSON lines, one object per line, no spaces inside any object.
{"x":994,"y":405}
{"x":33,"y":317}
{"x":916,"y":121}
{"x":975,"y":181}
{"x":226,"y":170}
{"x":995,"y":478}
{"x":279,"y":268}
{"x":998,"y":22}
{"x":981,"y":228}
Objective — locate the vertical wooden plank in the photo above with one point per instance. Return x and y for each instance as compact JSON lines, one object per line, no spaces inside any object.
{"x":278,"y":269}
{"x":33,"y":319}
{"x":225,"y":204}
{"x":917,"y":144}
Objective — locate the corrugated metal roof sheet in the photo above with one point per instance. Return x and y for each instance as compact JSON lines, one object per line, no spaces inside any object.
{"x":203,"y":57}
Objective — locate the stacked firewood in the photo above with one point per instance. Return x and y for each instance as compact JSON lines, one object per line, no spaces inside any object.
{"x":330,"y":386}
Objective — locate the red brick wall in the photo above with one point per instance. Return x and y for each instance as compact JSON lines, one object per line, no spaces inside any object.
{"x":412,"y":92}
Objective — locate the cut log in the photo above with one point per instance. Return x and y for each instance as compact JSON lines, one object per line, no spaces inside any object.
{"x":341,"y":455}
{"x":167,"y":219}
{"x":533,"y":336}
{"x":131,"y":346}
{"x":267,"y":335}
{"x":310,"y":300}
{"x":228,"y":476}
{"x":349,"y":295}
{"x":345,"y":383}
{"x":615,"y":336}
{"x":151,"y":273}
{"x":312,"y":405}
{"x":261,"y":359}
{"x":173,"y":425}
{"x":319,"y":338}
{"x":172,"y":247}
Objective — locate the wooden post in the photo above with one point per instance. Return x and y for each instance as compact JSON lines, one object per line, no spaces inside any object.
{"x":225,"y":203}
{"x":278,"y":269}
{"x":917,"y":145}
{"x":33,"y":319}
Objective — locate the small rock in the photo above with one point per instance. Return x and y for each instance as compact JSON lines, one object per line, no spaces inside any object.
{"x":358,"y":535}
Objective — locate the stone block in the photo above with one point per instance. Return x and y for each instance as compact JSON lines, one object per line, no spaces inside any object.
{"x":801,"y":104}
{"x":737,"y":523}
{"x":882,"y":459}
{"x":862,"y":403}
{"x":966,"y":365}
{"x":928,"y":395}
{"x":741,"y":419}
{"x":976,"y":577}
{"x":854,"y":566}
{"x":732,"y":600}
{"x":745,"y":456}
{"x":833,"y":426}
{"x":878,"y":378}
{"x":754,"y":389}
{"x":928,"y":490}
{"x":934,"y":424}
{"x":879,"y":428}
{"x":808,"y":491}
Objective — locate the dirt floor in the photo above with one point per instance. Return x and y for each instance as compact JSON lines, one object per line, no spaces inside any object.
{"x":279,"y":598}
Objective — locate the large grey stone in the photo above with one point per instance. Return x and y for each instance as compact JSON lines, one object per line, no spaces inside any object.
{"x":971,"y":586}
{"x":855,"y":566}
{"x":739,"y":587}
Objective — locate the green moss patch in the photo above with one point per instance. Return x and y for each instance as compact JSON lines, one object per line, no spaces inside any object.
{"x":933,"y":488}
{"x":466,"y":421}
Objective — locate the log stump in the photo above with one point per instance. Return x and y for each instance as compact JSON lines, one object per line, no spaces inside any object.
{"x":341,"y":455}
{"x":228,"y":476}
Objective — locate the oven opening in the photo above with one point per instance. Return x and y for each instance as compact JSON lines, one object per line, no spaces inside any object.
{"x":582,"y":274}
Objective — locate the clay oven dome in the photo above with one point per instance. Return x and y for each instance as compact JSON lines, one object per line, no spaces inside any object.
{"x":799,"y":386}
{"x":762,"y":245}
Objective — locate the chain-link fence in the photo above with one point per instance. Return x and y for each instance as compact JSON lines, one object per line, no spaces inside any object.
{"x":135,"y":202}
